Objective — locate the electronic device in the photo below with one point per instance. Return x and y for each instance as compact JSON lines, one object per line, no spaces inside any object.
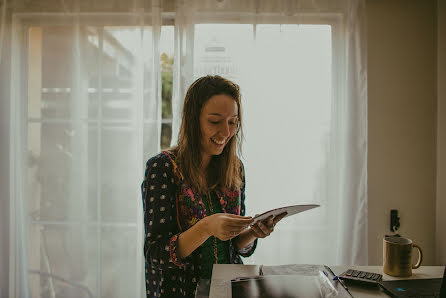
{"x":361,"y":278}
{"x":429,"y":287}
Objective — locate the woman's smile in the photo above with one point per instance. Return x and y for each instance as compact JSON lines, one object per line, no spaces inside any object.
{"x":218,"y":142}
{"x":218,"y":123}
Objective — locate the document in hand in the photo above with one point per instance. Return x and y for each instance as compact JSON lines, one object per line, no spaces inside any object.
{"x":290,"y":210}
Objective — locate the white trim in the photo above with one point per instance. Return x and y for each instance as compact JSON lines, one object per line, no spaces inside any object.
{"x":12,"y":168}
{"x":17,"y":151}
{"x":83,"y":223}
{"x":94,"y":121}
{"x":168,"y":18}
{"x":98,"y":164}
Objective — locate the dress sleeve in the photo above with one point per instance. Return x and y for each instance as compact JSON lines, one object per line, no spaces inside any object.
{"x":248,"y":250}
{"x":159,"y":196}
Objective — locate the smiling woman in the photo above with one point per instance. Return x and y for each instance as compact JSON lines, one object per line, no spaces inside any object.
{"x":218,"y":124}
{"x":194,"y":194}
{"x":211,"y":114}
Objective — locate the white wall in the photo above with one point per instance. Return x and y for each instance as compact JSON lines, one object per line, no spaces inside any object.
{"x":441,"y":135}
{"x":402,"y":121}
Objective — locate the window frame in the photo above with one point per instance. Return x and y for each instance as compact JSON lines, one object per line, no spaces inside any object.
{"x":19,"y":113}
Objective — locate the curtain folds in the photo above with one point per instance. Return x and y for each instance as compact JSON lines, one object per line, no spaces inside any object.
{"x":302,"y":70}
{"x":85,"y":101}
{"x":82,"y":80}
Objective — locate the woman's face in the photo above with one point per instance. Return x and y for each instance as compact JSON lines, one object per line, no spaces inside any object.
{"x":218,"y":123}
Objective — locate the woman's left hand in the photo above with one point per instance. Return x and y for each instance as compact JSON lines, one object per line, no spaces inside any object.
{"x":265,"y":227}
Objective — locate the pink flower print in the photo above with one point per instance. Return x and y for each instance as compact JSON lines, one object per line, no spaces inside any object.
{"x":233,"y":193}
{"x":189,"y":192}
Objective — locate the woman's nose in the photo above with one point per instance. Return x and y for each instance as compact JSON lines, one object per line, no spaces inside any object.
{"x":225,"y":130}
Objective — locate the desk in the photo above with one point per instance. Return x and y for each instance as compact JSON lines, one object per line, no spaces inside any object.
{"x":223,"y":273}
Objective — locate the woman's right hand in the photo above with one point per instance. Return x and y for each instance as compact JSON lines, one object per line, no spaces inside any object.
{"x":226,"y":226}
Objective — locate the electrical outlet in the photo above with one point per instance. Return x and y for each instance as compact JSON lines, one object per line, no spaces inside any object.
{"x":394,"y":220}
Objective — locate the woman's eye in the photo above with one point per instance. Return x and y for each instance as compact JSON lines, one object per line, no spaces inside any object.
{"x":218,"y":122}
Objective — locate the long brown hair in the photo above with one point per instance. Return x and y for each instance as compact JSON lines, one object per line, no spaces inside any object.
{"x":225,"y":170}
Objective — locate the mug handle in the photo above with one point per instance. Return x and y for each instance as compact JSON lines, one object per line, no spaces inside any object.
{"x":420,"y":256}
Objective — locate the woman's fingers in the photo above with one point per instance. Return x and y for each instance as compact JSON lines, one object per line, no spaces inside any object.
{"x":232,"y":225}
{"x":237,"y":216}
{"x":234,"y":216}
{"x":279,"y":217}
{"x":266,"y":230}
{"x":233,"y":233}
{"x":229,"y":225}
{"x":238,"y":222}
{"x":259,"y":233}
{"x":235,"y":230}
{"x":270,"y":223}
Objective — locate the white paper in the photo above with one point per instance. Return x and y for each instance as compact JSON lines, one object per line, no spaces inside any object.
{"x":231,"y":271}
{"x":290,"y":210}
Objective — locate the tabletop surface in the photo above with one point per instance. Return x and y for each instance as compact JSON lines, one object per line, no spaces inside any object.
{"x":223,"y":273}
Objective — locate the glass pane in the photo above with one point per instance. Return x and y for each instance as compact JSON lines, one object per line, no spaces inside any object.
{"x":127,"y":71}
{"x":118,"y":259}
{"x":220,"y":48}
{"x":62,"y":171}
{"x":63,"y":261}
{"x":297,"y":87}
{"x":55,"y":55}
{"x":166,"y":135}
{"x":151,"y":139}
{"x":120,"y":168}
{"x":166,"y":49}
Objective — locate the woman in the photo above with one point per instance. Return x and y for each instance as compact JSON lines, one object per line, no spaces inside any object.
{"x":193,"y":195}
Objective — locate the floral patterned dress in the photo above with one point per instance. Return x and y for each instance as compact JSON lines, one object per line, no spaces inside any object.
{"x":171,"y":207}
{"x":207,"y":248}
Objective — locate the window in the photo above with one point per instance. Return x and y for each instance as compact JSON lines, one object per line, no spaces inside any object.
{"x":87,"y":87}
{"x":285,"y":71}
{"x":166,"y":49}
{"x":92,"y":123}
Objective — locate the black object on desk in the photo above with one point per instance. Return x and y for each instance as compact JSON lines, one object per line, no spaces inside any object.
{"x":429,"y":287}
{"x":319,"y":281}
{"x":280,"y":286}
{"x":361,"y":278}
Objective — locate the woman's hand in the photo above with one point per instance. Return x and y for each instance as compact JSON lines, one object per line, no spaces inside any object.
{"x":226,"y":226}
{"x":265,"y":227}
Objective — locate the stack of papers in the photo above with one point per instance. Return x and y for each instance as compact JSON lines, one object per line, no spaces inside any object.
{"x":309,"y":281}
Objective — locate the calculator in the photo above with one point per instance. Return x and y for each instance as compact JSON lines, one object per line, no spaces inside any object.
{"x":361,"y":278}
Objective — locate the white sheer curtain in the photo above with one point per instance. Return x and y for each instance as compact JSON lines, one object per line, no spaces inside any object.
{"x":301,"y":66}
{"x":85,"y":98}
{"x":82,"y":80}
